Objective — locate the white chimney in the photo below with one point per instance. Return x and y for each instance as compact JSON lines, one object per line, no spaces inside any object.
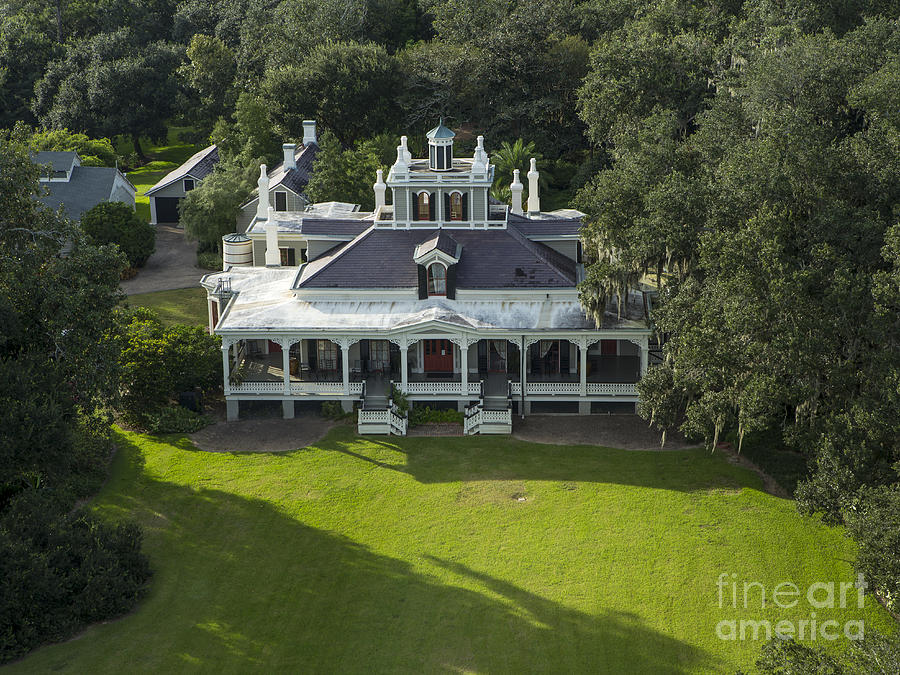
{"x":516,"y":190}
{"x":380,"y":189}
{"x":480,"y":160}
{"x":401,"y":166}
{"x":289,"y":161}
{"x":262,"y":207}
{"x":534,"y":199}
{"x":309,"y":132}
{"x":407,"y":155}
{"x":273,"y":255}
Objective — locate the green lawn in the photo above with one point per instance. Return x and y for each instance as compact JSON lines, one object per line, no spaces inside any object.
{"x":417,"y":555}
{"x":163,"y":158}
{"x":185,"y":305}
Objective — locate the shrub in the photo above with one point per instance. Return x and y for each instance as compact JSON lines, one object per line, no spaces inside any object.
{"x":173,"y":419}
{"x":158,"y":363}
{"x":874,"y":522}
{"x":117,"y":223}
{"x":426,"y":415}
{"x":333,"y":410}
{"x":62,"y":571}
{"x":400,"y":399}
{"x":209,"y":260}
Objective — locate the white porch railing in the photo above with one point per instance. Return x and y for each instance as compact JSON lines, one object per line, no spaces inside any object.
{"x":433,"y":387}
{"x":612,"y":388}
{"x":272,"y":387}
{"x":480,"y":421}
{"x":574,"y":388}
{"x":516,"y":388}
{"x":552,"y":388}
{"x":387,"y":421}
{"x":296,"y":388}
{"x":474,"y":388}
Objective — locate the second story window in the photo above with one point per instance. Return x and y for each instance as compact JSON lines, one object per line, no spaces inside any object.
{"x":437,"y":279}
{"x":281,"y":201}
{"x":188,"y":184}
{"x":456,"y":210}
{"x":423,"y":207}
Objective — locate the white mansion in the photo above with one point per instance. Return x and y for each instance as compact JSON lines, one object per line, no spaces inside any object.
{"x":454,"y":298}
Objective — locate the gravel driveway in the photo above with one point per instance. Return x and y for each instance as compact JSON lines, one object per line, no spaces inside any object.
{"x":172,"y":266}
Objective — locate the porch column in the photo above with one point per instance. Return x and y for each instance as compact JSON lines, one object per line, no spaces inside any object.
{"x":286,"y":364}
{"x":464,"y":367}
{"x":523,"y":357}
{"x":345,"y":362}
{"x":226,"y":366}
{"x":582,"y":348}
{"x":644,"y":347}
{"x":404,"y":365}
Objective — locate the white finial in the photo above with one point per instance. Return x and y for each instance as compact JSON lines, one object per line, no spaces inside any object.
{"x":516,"y":190}
{"x":273,"y":255}
{"x":400,"y":165}
{"x":480,"y":159}
{"x":262,"y":207}
{"x":534,"y":199}
{"x":407,"y":155}
{"x":380,"y":189}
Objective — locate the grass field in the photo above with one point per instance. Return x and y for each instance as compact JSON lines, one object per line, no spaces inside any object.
{"x":163,"y":158}
{"x":446,"y":555}
{"x":186,"y":305}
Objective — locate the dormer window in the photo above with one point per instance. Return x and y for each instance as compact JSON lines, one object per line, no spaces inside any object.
{"x":437,"y":279}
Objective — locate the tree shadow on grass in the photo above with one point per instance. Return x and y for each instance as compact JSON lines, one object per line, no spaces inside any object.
{"x":439,"y":460}
{"x":242,"y":585}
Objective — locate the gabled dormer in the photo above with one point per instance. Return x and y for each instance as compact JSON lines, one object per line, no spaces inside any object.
{"x":436,"y":259}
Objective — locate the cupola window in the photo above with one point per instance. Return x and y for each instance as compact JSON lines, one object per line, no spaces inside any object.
{"x":437,"y":279}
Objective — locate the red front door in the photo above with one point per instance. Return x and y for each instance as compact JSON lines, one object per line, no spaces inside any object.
{"x":438,"y":356}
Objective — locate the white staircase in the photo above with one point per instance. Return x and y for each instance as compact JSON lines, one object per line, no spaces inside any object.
{"x":491,"y":415}
{"x":379,"y":415}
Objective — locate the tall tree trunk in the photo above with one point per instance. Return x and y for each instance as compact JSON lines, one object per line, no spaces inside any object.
{"x":136,"y":141}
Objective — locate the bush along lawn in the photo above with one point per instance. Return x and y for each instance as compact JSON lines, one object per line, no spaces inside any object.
{"x":448,"y":554}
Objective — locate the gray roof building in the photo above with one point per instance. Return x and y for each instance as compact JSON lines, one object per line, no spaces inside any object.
{"x":78,"y":188}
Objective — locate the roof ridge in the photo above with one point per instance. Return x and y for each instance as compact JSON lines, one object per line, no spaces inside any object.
{"x":346,"y":247}
{"x":541,"y":252}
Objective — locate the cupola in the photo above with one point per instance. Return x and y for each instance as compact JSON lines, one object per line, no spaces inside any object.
{"x":440,"y":148}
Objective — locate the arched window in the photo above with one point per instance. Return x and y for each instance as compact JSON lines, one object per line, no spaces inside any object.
{"x":456,"y":210}
{"x":423,"y":207}
{"x":437,"y":279}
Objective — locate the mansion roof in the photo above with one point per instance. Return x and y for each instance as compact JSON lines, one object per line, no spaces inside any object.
{"x":491,"y":259}
{"x":265,"y":301}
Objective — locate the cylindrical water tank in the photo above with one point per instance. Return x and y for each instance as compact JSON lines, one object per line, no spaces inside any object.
{"x":237,"y":251}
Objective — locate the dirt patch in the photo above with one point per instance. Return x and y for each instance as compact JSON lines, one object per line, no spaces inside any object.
{"x":628,"y":432}
{"x":492,"y":492}
{"x":262,"y":435}
{"x":770,"y":485}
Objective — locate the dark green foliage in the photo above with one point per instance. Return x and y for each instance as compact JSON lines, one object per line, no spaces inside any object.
{"x":333,"y":410}
{"x":347,"y":87}
{"x":210,"y":211}
{"x":874,"y":522}
{"x":107,"y":86}
{"x":877,"y":654}
{"x":61,"y":572}
{"x":117,"y":223}
{"x":419,"y":415}
{"x":59,"y":569}
{"x":348,"y":175}
{"x":159,"y":363}
{"x":92,"y":152}
{"x":173,"y":419}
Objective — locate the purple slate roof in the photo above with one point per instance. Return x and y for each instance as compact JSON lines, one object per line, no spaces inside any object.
{"x":545,"y":226}
{"x":491,"y":259}
{"x":353,"y":226}
{"x":442,"y":242}
{"x":295,"y":180}
{"x":199,"y":166}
